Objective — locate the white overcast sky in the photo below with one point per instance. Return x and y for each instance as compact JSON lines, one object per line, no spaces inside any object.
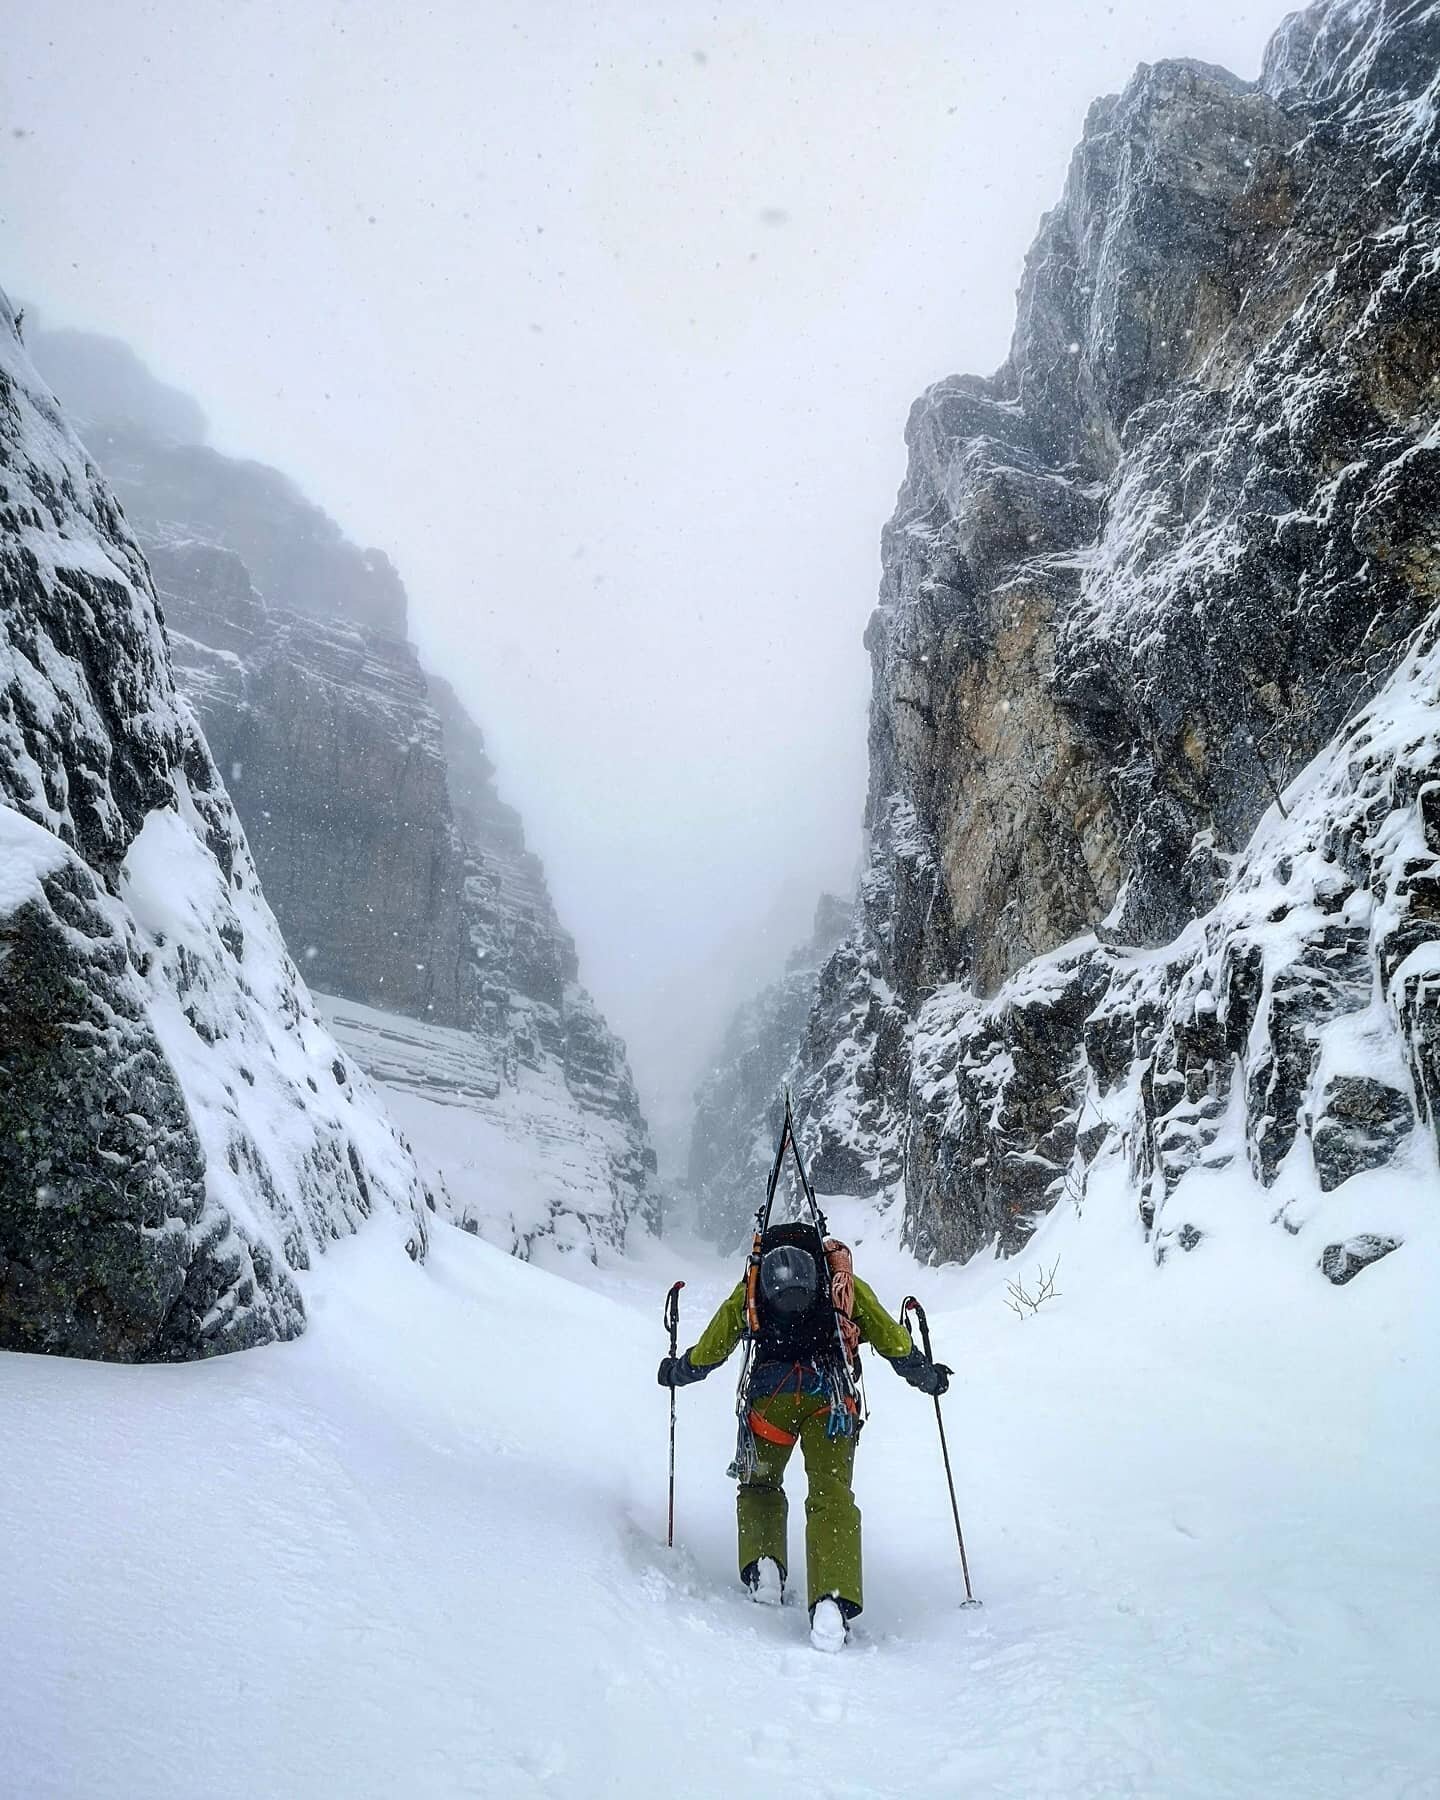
{"x":603,"y":320}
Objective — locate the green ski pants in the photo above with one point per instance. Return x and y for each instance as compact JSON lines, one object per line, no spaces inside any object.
{"x":832,"y":1519}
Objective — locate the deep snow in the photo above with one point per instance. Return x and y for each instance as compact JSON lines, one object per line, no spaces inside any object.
{"x":421,"y":1551}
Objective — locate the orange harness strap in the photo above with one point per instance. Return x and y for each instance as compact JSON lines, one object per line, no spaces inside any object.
{"x":776,"y":1434}
{"x":772,"y":1434}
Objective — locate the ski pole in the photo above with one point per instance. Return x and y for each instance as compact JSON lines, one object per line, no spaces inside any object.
{"x":913,"y":1305}
{"x":672,"y":1325}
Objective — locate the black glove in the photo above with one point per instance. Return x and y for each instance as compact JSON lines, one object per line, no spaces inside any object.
{"x":679,"y":1371}
{"x":917,"y":1368}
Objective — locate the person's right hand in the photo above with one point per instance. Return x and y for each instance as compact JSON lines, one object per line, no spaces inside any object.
{"x":930,"y":1377}
{"x":679,"y":1371}
{"x":934,"y":1379}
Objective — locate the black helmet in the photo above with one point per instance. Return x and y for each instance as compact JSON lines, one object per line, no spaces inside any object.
{"x":789,"y":1280}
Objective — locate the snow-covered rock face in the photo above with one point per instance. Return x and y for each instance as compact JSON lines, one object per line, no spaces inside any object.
{"x":1135,"y":583}
{"x":1292,"y":1031}
{"x":178,"y":1134}
{"x":401,"y":880}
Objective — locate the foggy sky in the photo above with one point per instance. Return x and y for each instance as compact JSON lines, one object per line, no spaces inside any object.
{"x":603,"y":321}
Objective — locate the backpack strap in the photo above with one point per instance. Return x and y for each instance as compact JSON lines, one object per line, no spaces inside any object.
{"x":752,"y":1287}
{"x":842,"y":1293}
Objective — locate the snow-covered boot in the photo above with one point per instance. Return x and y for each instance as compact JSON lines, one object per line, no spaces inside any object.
{"x":765,"y":1582}
{"x":829,"y":1627}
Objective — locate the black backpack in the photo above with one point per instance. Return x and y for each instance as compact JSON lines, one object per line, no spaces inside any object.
{"x":790,"y":1295}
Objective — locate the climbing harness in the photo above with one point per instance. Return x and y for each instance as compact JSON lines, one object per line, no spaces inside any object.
{"x":806,"y":1378}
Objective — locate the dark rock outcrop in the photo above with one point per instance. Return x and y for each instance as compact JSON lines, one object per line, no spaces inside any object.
{"x":1343,"y":1262}
{"x":1135,"y":584}
{"x":178,"y":1134}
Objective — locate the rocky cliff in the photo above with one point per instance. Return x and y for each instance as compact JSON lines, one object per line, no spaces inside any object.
{"x":401,"y":880}
{"x":179,"y":1135}
{"x":1151,"y":853}
{"x":295,"y":554}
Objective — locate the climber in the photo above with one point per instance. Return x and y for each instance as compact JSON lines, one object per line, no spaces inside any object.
{"x":803,"y":1313}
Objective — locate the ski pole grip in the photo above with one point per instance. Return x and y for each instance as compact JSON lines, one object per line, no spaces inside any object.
{"x":913,"y":1305}
{"x":672,"y":1314}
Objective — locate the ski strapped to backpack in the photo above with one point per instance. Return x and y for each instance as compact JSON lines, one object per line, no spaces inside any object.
{"x":843,"y":1390}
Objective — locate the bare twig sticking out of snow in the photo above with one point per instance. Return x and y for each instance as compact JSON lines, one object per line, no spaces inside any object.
{"x":1023,"y":1304}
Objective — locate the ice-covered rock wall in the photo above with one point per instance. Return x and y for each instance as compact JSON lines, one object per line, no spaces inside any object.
{"x":401,"y":880}
{"x":179,"y":1135}
{"x":1135,"y":584}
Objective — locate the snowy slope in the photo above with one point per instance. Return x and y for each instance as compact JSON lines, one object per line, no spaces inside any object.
{"x":509,"y":1145}
{"x":1207,"y":1547}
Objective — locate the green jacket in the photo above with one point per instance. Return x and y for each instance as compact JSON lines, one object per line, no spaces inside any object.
{"x":727,"y":1328}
